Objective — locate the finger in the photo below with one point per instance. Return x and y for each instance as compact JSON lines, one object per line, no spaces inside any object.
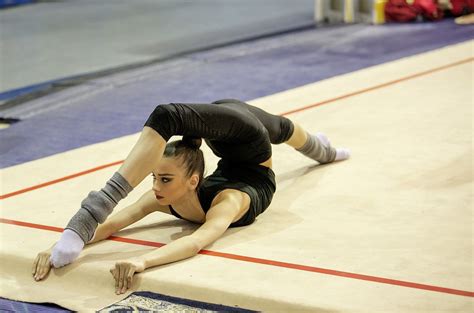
{"x":41,"y":273}
{"x":39,"y":266}
{"x":114,"y":272}
{"x":45,"y":270}
{"x":116,"y":276}
{"x":43,"y":267}
{"x":121,"y":276}
{"x":125,"y":280}
{"x":35,"y":275}
{"x":131,"y":272}
{"x":35,"y":263}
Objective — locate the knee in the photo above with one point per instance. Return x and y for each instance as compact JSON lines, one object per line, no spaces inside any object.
{"x":227,"y":101}
{"x":286,"y":130}
{"x":161,"y":121}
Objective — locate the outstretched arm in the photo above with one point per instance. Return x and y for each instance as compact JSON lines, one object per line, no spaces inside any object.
{"x":127,"y":216}
{"x":218,"y":219}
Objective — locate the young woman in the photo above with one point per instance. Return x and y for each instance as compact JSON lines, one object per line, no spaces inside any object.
{"x":238,"y":191}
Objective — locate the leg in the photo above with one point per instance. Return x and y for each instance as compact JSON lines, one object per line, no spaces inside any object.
{"x":279,"y":128}
{"x":99,"y":204}
{"x":283,"y":130}
{"x":316,"y":147}
{"x":298,"y":138}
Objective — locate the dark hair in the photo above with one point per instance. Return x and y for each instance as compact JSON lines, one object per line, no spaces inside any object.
{"x":187,"y":149}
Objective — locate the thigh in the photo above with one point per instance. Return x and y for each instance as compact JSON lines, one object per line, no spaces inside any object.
{"x":279,"y":128}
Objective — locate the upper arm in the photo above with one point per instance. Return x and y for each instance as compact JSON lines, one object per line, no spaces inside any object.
{"x":222,"y":213}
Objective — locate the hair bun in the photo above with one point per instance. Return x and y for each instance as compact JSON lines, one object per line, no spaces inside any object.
{"x":192,"y":142}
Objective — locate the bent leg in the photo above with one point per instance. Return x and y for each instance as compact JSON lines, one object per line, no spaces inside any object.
{"x":144,"y":156}
{"x":282,"y":130}
{"x":98,"y":205}
{"x":298,"y":138}
{"x":279,"y":128}
{"x":316,"y":147}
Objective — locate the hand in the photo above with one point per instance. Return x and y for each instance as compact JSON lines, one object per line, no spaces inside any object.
{"x":123,"y":272}
{"x":67,"y":249}
{"x":42,"y":265}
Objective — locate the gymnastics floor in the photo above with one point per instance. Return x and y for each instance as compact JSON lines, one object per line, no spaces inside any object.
{"x":389,"y":230}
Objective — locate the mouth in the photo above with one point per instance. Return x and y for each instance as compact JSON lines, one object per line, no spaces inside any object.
{"x":158,"y":197}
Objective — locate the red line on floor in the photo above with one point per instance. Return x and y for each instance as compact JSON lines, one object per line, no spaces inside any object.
{"x":339,"y":273}
{"x":8,"y":195}
{"x":52,"y":182}
{"x":251,"y":259}
{"x":393,"y":82}
{"x":31,"y":225}
{"x":269,"y":262}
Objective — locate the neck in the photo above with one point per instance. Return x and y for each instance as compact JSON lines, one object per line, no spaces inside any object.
{"x":187,"y":201}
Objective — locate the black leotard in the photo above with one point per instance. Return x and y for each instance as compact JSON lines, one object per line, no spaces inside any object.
{"x":238,"y":133}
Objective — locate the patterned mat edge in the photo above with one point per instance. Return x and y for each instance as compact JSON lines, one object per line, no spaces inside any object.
{"x":149,"y":301}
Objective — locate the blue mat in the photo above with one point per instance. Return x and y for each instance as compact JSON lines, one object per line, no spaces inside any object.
{"x":24,"y":307}
{"x":119,"y":105}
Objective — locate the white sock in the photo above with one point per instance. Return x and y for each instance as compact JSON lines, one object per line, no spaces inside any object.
{"x":323,"y":139}
{"x":341,"y":153}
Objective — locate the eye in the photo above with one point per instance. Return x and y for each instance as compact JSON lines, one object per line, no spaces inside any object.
{"x":154,"y":177}
{"x":165,"y":180}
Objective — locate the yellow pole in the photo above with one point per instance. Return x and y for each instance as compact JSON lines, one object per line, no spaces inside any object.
{"x":348,"y":11}
{"x":378,"y":14}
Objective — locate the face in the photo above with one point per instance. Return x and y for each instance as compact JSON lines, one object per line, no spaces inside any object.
{"x":170,"y":183}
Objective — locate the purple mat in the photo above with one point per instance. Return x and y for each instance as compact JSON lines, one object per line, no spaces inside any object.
{"x":118,"y":105}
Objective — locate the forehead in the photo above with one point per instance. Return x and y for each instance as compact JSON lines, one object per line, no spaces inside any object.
{"x":169,"y":166}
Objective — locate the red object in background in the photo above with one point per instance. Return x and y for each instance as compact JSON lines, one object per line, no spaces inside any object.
{"x":429,"y":9}
{"x":403,"y":11}
{"x":461,"y":7}
{"x":411,"y":10}
{"x":400,"y":11}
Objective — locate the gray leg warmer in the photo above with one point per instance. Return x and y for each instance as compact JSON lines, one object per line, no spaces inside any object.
{"x":97,"y":206}
{"x":316,"y":150}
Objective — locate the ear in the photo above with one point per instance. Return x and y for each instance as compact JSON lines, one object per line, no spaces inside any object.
{"x":194,"y":181}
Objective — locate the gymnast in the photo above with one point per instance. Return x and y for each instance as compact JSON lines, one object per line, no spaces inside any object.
{"x":238,"y":191}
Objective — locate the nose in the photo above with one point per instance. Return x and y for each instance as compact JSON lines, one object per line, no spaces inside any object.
{"x":156,"y":187}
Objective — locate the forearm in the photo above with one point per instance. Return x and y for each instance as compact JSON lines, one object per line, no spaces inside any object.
{"x":141,"y":161}
{"x":102,"y":232}
{"x":144,"y":157}
{"x":177,"y":250}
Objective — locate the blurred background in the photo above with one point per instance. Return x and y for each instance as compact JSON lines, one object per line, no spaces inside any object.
{"x":65,"y":59}
{"x":49,"y":40}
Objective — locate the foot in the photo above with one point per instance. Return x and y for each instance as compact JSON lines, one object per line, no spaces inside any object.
{"x":323,"y":139}
{"x":341,"y":153}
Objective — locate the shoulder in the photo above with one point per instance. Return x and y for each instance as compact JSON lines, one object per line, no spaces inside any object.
{"x":232,"y":197}
{"x":228,"y":206}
